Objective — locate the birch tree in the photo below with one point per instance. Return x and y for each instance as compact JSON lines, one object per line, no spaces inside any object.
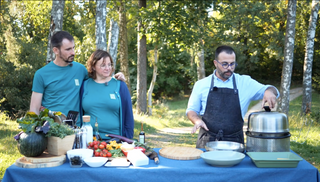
{"x":101,"y":13}
{"x":288,"y":58}
{"x":55,"y":25}
{"x":113,"y":40}
{"x":123,"y":45}
{"x":142,"y":65}
{"x":308,"y":59}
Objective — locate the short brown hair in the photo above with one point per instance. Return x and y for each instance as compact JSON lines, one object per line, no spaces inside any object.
{"x":94,"y":58}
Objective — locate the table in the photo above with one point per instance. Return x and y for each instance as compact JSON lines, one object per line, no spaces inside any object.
{"x":167,"y":170}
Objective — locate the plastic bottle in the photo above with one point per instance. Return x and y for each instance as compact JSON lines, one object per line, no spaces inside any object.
{"x":88,"y":127}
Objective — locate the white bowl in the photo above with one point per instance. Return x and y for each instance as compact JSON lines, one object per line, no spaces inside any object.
{"x":95,"y":161}
{"x":222,"y":158}
{"x":84,"y":153}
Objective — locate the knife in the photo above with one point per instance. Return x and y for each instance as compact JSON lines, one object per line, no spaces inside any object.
{"x":153,"y":156}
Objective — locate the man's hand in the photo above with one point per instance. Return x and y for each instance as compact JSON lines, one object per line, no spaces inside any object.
{"x":270,"y":97}
{"x":197,"y":121}
{"x":120,"y":76}
{"x":197,"y":125}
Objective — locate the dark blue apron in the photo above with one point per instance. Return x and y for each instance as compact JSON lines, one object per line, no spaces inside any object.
{"x":222,"y":116}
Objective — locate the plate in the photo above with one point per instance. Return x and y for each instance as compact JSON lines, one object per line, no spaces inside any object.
{"x":222,"y":158}
{"x":275,"y":159}
{"x":109,"y":164}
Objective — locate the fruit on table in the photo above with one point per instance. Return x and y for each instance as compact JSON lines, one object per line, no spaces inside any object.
{"x":76,"y":160}
{"x":32,"y":144}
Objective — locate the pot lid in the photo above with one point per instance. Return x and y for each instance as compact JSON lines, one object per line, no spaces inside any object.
{"x":268,"y":122}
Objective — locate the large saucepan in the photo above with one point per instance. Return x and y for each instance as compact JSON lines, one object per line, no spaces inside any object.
{"x":224,"y":146}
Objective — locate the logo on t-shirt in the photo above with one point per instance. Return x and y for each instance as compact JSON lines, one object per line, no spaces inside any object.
{"x":76,"y":82}
{"x":112,"y":96}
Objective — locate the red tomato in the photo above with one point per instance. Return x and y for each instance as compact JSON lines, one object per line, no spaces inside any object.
{"x":140,"y":148}
{"x":97,"y":154}
{"x":104,"y":155}
{"x":101,"y":146}
{"x":109,"y":154}
{"x":105,"y":151}
{"x":101,"y":154}
{"x":95,"y":147}
{"x":104,"y":143}
{"x":91,"y":144}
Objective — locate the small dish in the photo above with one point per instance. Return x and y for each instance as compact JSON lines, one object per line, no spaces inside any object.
{"x":274,"y":159}
{"x":222,"y":158}
{"x":95,"y":161}
{"x":84,"y":153}
{"x":110,"y":164}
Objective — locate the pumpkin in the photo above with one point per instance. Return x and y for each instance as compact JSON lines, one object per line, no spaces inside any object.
{"x":32,"y":144}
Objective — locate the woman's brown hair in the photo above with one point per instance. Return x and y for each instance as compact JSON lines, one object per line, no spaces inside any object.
{"x":94,"y":58}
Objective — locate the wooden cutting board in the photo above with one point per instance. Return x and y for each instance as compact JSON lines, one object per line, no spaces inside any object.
{"x":42,"y":161}
{"x":180,"y":153}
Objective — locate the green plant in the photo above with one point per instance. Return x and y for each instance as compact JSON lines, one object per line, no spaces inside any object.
{"x":44,"y":123}
{"x":59,"y":130}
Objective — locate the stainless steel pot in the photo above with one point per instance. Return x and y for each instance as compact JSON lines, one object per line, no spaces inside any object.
{"x":224,"y":146}
{"x":268,"y":132}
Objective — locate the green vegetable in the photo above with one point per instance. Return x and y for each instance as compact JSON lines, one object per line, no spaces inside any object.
{"x":116,"y":153}
{"x":138,"y":144}
{"x":32,"y":144}
{"x":59,"y":130}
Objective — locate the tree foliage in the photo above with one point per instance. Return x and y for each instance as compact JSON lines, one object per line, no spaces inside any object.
{"x":255,"y":28}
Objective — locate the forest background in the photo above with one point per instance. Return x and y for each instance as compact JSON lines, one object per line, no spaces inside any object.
{"x":182,"y":33}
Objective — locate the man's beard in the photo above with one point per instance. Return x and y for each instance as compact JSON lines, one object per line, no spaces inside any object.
{"x":67,"y":60}
{"x":223,"y":74}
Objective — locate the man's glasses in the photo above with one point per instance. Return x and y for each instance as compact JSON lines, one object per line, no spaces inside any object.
{"x":226,"y":65}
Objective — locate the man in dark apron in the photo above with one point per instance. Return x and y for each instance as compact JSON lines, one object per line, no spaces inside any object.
{"x":222,"y":116}
{"x":222,"y":119}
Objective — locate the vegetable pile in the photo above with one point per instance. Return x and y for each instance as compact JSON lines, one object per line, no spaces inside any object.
{"x":102,"y":149}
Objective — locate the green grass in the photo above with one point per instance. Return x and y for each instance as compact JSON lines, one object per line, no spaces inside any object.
{"x":171,"y":114}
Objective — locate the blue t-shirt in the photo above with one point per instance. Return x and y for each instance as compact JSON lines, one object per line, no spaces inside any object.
{"x":249,"y":90}
{"x":60,"y":86}
{"x":102,"y":102}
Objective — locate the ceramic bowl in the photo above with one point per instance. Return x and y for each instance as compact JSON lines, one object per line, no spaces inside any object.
{"x":224,"y":146}
{"x":222,"y":158}
{"x":84,"y":153}
{"x":95,"y":161}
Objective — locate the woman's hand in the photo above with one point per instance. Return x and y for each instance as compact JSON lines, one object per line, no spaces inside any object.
{"x":120,"y":76}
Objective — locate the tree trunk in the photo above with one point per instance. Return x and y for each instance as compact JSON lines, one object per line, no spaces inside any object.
{"x":200,"y":64}
{"x":308,"y":59}
{"x":113,"y":41}
{"x":55,"y":25}
{"x":153,"y":81}
{"x":123,"y":47}
{"x":101,"y":35}
{"x":288,"y":58}
{"x":142,"y":66}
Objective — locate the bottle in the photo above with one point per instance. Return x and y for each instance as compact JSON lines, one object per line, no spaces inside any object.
{"x":141,"y":134}
{"x":88,"y":127}
{"x":84,"y":137}
{"x":96,"y":133}
{"x":78,"y":139}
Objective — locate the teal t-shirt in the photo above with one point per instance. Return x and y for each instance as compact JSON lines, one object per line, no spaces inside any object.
{"x":60,"y":86}
{"x":102,"y":102}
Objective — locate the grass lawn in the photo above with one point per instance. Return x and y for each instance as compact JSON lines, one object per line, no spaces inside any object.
{"x":305,"y":134}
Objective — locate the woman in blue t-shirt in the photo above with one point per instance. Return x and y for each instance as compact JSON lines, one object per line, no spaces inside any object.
{"x":105,"y":99}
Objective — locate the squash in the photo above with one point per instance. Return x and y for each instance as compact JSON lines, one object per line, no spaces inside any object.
{"x":32,"y":144}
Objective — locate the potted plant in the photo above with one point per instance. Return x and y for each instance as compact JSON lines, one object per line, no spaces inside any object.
{"x":60,"y":139}
{"x":37,"y":131}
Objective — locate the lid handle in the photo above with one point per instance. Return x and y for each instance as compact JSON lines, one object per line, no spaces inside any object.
{"x":267,"y":108}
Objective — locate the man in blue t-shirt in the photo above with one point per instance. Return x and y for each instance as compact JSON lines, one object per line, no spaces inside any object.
{"x":56,"y":86}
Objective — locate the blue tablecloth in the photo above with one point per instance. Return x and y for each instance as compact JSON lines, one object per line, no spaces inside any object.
{"x":167,"y":170}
